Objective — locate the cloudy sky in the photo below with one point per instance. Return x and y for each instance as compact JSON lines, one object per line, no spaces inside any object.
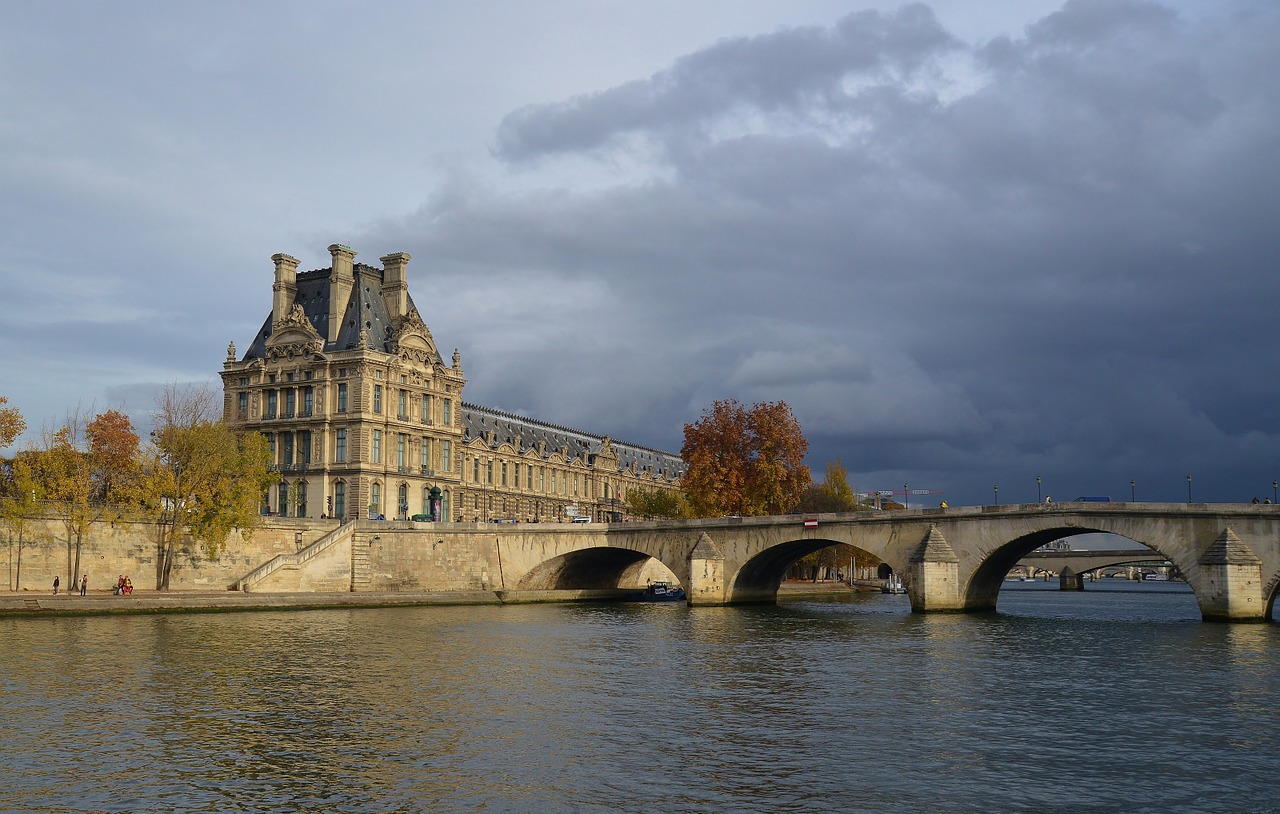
{"x":969,"y":242}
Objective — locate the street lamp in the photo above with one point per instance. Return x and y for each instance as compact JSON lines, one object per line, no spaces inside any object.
{"x":996,"y":490}
{"x":906,"y":497}
{"x":1274,"y":497}
{"x":1188,"y":488}
{"x":1037,"y":488}
{"x":1133,"y":491}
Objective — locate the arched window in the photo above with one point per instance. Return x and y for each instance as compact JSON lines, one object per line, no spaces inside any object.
{"x":282,"y":498}
{"x":340,"y":500}
{"x":444,"y":506}
{"x":375,"y":499}
{"x":301,"y":510}
{"x":402,"y":502}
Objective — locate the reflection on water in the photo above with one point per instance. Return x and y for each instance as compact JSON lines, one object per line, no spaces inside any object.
{"x":1110,"y":700}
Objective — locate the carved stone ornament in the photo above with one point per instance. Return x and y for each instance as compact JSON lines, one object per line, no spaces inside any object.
{"x":231,"y":351}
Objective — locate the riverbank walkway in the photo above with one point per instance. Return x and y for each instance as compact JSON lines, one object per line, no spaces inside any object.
{"x":28,"y":603}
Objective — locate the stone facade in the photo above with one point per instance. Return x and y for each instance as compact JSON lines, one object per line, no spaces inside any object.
{"x":366,"y":419}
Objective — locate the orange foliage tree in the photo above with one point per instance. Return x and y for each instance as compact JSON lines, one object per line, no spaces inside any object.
{"x":744,"y":461}
{"x":11,"y":423}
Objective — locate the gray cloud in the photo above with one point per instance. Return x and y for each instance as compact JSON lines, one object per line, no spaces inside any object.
{"x":1043,"y":254}
{"x":963,"y":260}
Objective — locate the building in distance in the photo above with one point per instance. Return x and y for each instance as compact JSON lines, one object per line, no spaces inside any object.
{"x":365,"y":418}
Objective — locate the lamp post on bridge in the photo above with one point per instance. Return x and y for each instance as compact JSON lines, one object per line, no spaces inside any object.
{"x":906,"y":497}
{"x":1188,"y":488}
{"x":1274,"y":486}
{"x":1133,"y":491}
{"x":1037,"y":488}
{"x":996,"y":490}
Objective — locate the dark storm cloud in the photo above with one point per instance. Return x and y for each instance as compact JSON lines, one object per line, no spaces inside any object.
{"x":1045,"y":254}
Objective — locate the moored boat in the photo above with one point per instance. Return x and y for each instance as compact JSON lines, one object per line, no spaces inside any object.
{"x":658,"y":592}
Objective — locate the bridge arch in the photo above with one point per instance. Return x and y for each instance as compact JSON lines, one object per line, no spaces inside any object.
{"x":759,"y":577}
{"x":595,"y":568}
{"x":988,"y":578}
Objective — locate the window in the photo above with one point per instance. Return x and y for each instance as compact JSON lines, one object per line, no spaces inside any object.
{"x":342,"y":397}
{"x":290,"y":401}
{"x":515,"y":474}
{"x":288,"y":377}
{"x":304,"y":447}
{"x":404,"y":404}
{"x":553,"y":480}
{"x":375,"y":497}
{"x":542,"y":479}
{"x":402,"y":506}
{"x":308,"y":400}
{"x":340,"y":450}
{"x":286,"y":446}
{"x":340,"y":500}
{"x":342,"y":373}
{"x":402,"y":451}
{"x":243,"y":403}
{"x":448,"y":412}
{"x":282,"y":501}
{"x":377,"y":398}
{"x":244,"y":381}
{"x":444,"y":506}
{"x":488,"y":470}
{"x":302,"y":499}
{"x":426,"y":409}
{"x":504,"y":473}
{"x":426,"y":453}
{"x":271,"y":403}
{"x":475,"y":473}
{"x":271,"y":445}
{"x":375,"y":454}
{"x":426,"y":500}
{"x":446,"y":456}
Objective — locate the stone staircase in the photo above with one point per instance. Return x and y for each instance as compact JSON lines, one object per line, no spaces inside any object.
{"x":295,"y":561}
{"x":360,"y":568}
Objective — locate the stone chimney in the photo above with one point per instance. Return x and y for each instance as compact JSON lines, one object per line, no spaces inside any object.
{"x":286,"y":288}
{"x":341,"y":281}
{"x":395,"y":286}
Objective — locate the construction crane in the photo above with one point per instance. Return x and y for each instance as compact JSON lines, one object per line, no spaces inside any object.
{"x":904,"y":491}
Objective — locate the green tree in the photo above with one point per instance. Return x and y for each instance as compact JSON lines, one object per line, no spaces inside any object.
{"x":656,"y":503}
{"x":833,"y":494}
{"x":20,"y":504}
{"x":745,"y":461}
{"x":203,"y":478}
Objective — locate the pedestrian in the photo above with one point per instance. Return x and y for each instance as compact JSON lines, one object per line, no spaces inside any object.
{"x":1255,"y":501}
{"x":84,"y":584}
{"x":55,"y":586}
{"x":120,"y":585}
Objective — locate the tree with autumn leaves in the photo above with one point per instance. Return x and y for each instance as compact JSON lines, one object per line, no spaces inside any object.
{"x":744,"y":460}
{"x":203,"y":479}
{"x":196,"y":480}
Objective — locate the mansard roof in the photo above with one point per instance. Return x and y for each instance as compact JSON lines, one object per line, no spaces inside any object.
{"x":366,"y":309}
{"x":528,"y":432}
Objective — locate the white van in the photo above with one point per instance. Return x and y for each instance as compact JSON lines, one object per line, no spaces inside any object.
{"x":581,"y":519}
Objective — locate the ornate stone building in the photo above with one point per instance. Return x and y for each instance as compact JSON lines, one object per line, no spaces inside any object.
{"x":366,"y":419}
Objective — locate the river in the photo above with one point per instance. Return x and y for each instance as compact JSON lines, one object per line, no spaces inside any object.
{"x":1114,"y":699}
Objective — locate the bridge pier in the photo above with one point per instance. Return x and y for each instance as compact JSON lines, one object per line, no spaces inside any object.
{"x":1231,"y":576}
{"x":1069,"y":580}
{"x":934,"y":576}
{"x":707,"y":584}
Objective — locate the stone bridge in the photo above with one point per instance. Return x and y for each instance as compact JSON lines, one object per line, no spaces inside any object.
{"x":1082,"y":561}
{"x":952,"y":559}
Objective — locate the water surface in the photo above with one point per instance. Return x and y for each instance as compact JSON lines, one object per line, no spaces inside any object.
{"x":1115,"y":699}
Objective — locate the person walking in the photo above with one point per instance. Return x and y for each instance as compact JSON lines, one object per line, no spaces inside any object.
{"x":84,"y":584}
{"x":55,"y":586}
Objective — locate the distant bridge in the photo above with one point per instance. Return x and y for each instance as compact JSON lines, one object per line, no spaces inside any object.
{"x":1082,"y":561}
{"x":952,"y":559}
